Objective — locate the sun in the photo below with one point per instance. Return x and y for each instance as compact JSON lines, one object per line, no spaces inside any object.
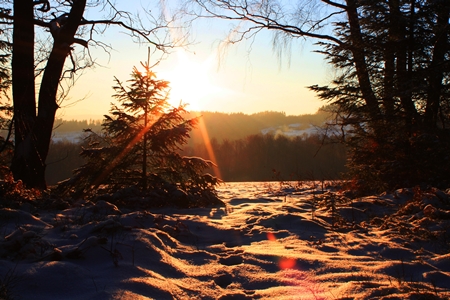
{"x":190,"y":81}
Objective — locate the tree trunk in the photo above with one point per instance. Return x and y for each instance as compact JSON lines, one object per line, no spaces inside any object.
{"x":389,"y":58}
{"x":357,"y":48}
{"x":436,"y":69}
{"x":402,"y":47}
{"x":144,"y":149}
{"x":26,"y":165}
{"x":32,"y":146}
{"x":405,"y":68}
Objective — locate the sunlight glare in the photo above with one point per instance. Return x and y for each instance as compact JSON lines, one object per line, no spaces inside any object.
{"x":190,"y":81}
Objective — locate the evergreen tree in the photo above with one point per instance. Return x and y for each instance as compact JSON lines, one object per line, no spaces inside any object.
{"x":140,"y":145}
{"x":49,"y":42}
{"x":392,"y":92}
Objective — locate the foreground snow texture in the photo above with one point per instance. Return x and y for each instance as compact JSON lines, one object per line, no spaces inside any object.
{"x":266,"y":243}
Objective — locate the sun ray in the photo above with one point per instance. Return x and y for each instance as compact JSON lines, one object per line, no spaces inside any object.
{"x":122,"y":154}
{"x":191,"y":84}
{"x":209,"y":149}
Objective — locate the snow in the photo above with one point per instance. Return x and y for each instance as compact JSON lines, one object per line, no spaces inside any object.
{"x":270,"y":241}
{"x":72,"y":136}
{"x":292,"y":130}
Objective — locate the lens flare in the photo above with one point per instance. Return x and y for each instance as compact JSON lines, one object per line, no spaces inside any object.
{"x":209,"y":149}
{"x":286,"y":263}
{"x":271,"y":237}
{"x":283,"y":262}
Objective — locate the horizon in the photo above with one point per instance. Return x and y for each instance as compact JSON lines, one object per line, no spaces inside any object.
{"x":206,"y":111}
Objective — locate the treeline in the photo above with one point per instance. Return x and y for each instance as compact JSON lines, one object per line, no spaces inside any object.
{"x":222,"y":126}
{"x":253,"y":158}
{"x":236,"y":145}
{"x":62,"y":125}
{"x":268,"y":157}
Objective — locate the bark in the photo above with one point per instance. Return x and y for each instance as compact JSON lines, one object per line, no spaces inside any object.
{"x":144,"y":148}
{"x":32,"y":147}
{"x":389,"y":59}
{"x":360,"y":63}
{"x":26,"y":164}
{"x":405,"y":69}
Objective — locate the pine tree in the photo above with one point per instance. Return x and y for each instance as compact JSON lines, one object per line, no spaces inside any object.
{"x":140,"y":146}
{"x":391,"y":91}
{"x":391,"y":95}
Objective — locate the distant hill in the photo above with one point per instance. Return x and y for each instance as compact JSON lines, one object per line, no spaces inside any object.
{"x":62,"y":125}
{"x":220,"y":126}
{"x":234,"y":126}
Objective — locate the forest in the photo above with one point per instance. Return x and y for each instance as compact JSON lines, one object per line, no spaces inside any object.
{"x":219,"y":125}
{"x":240,"y":155}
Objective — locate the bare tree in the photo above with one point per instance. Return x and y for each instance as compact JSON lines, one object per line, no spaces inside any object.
{"x":40,"y":62}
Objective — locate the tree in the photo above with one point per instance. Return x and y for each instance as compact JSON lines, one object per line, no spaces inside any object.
{"x":140,"y":145}
{"x":392,"y":85}
{"x":41,"y":60}
{"x":6,"y":147}
{"x":405,"y":138}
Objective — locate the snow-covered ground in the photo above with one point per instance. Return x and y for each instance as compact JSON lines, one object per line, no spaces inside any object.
{"x":268,"y":242}
{"x":72,"y":136}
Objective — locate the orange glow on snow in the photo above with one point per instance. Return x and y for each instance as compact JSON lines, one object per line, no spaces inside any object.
{"x":286,"y":263}
{"x":271,"y":237}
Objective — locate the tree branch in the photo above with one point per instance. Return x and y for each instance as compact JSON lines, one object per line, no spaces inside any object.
{"x":266,"y":19}
{"x":133,"y":30}
{"x":332,"y":3}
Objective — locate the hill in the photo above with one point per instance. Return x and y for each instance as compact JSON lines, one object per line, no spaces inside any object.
{"x":234,"y":126}
{"x":220,"y":126}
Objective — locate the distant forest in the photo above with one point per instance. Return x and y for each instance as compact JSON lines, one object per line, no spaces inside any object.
{"x":63,"y":126}
{"x":267,"y":157}
{"x":240,"y":150}
{"x":221,"y":126}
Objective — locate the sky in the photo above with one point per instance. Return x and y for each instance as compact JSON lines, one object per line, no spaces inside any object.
{"x":247,"y":77}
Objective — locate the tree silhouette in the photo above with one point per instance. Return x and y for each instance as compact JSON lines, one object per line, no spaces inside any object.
{"x":6,"y":147}
{"x":140,"y":145}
